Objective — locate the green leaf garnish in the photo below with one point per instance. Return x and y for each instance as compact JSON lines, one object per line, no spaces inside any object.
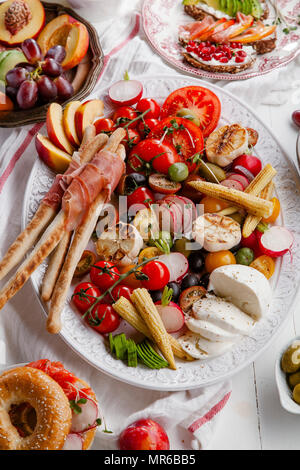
{"x":167,"y":296}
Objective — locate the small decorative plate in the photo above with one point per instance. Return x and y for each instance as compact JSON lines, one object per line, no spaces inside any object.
{"x":161,"y":19}
{"x":285,"y":282}
{"x":284,"y":391}
{"x":83,"y":85}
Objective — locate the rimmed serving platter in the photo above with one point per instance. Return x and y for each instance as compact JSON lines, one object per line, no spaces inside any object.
{"x":285,"y":282}
{"x":161,"y":19}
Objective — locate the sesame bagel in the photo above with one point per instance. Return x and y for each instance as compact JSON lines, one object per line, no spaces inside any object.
{"x":53,"y":412}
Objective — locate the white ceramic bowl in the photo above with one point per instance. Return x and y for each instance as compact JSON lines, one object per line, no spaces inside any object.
{"x":285,"y":393}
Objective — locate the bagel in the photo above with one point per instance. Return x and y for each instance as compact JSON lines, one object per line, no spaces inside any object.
{"x":35,"y":411}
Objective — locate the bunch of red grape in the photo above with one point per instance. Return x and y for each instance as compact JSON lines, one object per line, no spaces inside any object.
{"x":40,"y":79}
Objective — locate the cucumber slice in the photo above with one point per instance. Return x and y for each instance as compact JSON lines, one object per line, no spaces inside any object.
{"x":120,"y":343}
{"x":144,"y":358}
{"x":132,"y":353}
{"x":152,"y":355}
{"x":111,"y":343}
{"x":256,"y":9}
{"x":149,"y":357}
{"x":152,"y":350}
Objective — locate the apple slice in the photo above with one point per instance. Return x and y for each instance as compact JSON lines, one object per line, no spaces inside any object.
{"x":33,"y":27}
{"x":55,"y":128}
{"x":86,"y":115}
{"x":69,"y":122}
{"x":55,"y":158}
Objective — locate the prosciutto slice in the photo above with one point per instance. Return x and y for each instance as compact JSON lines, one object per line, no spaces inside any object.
{"x":102,"y":174}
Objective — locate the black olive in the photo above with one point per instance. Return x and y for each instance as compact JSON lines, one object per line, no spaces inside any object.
{"x":156,"y":295}
{"x":196,"y":261}
{"x":176,"y":290}
{"x":204,"y":280}
{"x":129,"y":183}
{"x":189,"y":281}
{"x":235,"y":249}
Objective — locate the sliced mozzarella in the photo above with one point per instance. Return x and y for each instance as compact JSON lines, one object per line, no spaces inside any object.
{"x":210,"y":331}
{"x":216,"y":232}
{"x":201,"y":348}
{"x":247,"y":288}
{"x":223,"y":314}
{"x":212,"y":348}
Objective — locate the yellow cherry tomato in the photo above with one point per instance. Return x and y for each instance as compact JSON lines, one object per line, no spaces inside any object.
{"x":217,"y":259}
{"x":212,"y":205}
{"x":275,"y":211}
{"x":265,"y":264}
{"x":131,"y":280}
{"x":148,"y":253}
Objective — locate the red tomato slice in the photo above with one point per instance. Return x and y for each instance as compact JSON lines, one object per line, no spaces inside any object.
{"x":201,"y":101}
{"x":186,"y":137}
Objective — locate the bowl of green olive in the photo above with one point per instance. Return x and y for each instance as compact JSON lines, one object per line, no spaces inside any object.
{"x":287,"y":373}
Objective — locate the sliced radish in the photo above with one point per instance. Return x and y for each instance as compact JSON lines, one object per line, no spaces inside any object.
{"x":87,"y":418}
{"x":172,"y":316}
{"x":249,"y":162}
{"x":240,"y":178}
{"x":232,"y":184}
{"x":188,"y":210}
{"x":170,"y":217}
{"x":276,"y":241}
{"x":73,"y":442}
{"x":177,"y":264}
{"x":243,"y":171}
{"x":126,"y":92}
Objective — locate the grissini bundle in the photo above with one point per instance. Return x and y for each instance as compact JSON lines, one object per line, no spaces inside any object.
{"x":43,"y":216}
{"x":98,"y":175}
{"x":79,"y":242}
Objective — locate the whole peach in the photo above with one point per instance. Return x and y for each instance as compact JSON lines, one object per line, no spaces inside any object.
{"x":144,"y":434}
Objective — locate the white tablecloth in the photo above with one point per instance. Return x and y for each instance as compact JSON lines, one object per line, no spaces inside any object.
{"x":22,"y":326}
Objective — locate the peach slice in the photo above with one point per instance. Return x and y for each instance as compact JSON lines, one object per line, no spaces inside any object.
{"x":55,"y":158}
{"x":69,"y":122}
{"x":55,"y":128}
{"x":30,"y":30}
{"x":86,"y":115}
{"x":67,"y":32}
{"x":5,"y":102}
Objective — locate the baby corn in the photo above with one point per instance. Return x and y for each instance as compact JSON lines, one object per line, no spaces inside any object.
{"x":263,"y":178}
{"x":252,"y":221}
{"x":146,"y":308}
{"x":254,"y":205}
{"x":129,"y":313}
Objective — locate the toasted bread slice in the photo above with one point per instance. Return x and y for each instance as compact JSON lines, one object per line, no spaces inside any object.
{"x":222,"y":68}
{"x":195,"y":11}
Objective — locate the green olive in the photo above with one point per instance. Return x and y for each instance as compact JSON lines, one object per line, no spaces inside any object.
{"x":180,"y":245}
{"x":190,"y":115}
{"x":178,"y":172}
{"x":290,"y":361}
{"x":244,"y":256}
{"x":211,"y":172}
{"x":296,"y":394}
{"x":294,"y":379}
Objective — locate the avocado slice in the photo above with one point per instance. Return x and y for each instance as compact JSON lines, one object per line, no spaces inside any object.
{"x":13,"y":58}
{"x":190,"y":2}
{"x":256,"y":9}
{"x":222,"y":5}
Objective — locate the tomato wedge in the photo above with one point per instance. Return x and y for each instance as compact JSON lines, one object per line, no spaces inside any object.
{"x":255,"y":33}
{"x":186,"y":137}
{"x":201,"y":101}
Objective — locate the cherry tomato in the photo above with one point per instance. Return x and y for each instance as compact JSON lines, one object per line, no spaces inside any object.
{"x":148,"y":253}
{"x":121,"y":291}
{"x":110,"y":320}
{"x":158,"y":275}
{"x":84,"y":296}
{"x":217,"y":259}
{"x":264,"y":264}
{"x":130,"y":280}
{"x":123,"y":115}
{"x":149,"y":103}
{"x":202,"y":103}
{"x":141,"y":195}
{"x":251,"y":163}
{"x":87,"y":260}
{"x":161,"y":184}
{"x":185,"y":136}
{"x":132,"y":138}
{"x":104,"y":125}
{"x":212,"y":205}
{"x":152,"y":154}
{"x":104,"y":274}
{"x":146,"y":126}
{"x":275,"y":213}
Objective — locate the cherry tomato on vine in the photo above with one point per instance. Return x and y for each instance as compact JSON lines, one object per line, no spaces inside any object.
{"x":130,"y":280}
{"x":146,"y":126}
{"x":104,"y":125}
{"x":121,"y":291}
{"x":104,"y":274}
{"x":109,"y":319}
{"x":217,"y":259}
{"x":140,"y":195}
{"x":123,"y":115}
{"x":84,"y":296}
{"x":152,"y":155}
{"x":158,"y":275}
{"x":149,"y":103}
{"x":132,"y":138}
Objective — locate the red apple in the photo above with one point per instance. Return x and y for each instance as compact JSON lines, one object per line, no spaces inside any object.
{"x":144,"y":434}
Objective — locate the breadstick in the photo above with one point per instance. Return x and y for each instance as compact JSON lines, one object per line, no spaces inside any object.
{"x":88,"y":149}
{"x":251,"y":221}
{"x":129,"y":313}
{"x":80,"y":240}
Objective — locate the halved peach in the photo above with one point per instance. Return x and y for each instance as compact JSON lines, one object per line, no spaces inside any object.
{"x":69,"y":122}
{"x":30,"y":30}
{"x":5,"y":102}
{"x":67,"y":32}
{"x":55,"y":128}
{"x":55,"y":158}
{"x":86,"y":115}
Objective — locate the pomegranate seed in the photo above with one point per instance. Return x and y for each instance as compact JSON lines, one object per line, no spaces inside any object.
{"x":213,"y":49}
{"x":241,"y":54}
{"x":223,"y":60}
{"x":206,"y":58}
{"x":226,"y":49}
{"x":239,"y":59}
{"x":206,"y":50}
